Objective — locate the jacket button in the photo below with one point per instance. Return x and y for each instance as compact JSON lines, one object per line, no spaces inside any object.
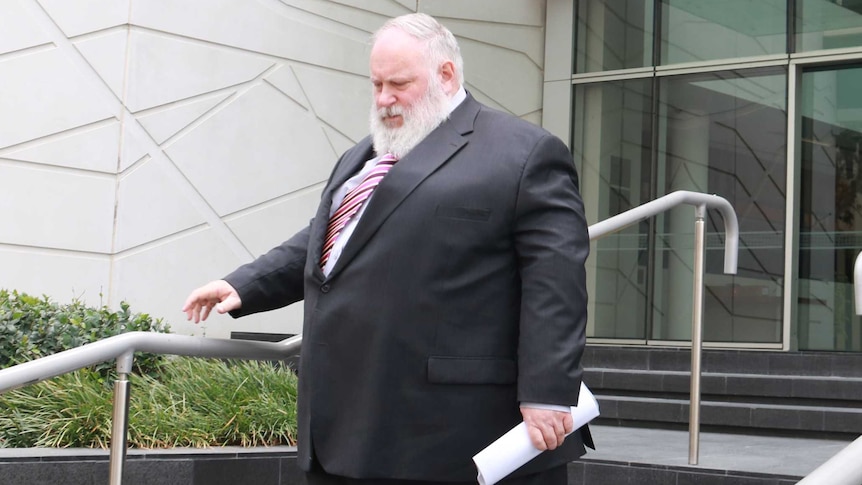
{"x":324,"y":288}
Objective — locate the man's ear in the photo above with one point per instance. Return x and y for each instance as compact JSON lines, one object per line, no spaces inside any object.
{"x":448,"y":77}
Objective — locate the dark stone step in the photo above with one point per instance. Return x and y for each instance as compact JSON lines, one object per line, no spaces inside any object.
{"x":817,"y":388}
{"x":590,"y":472}
{"x":777,"y":417}
{"x":825,"y":364}
{"x":265,"y":466}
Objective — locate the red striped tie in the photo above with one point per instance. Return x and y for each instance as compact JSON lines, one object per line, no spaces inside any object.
{"x":352,"y":202}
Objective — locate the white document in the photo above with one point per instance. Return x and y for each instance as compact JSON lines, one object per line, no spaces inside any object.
{"x":514,"y":448}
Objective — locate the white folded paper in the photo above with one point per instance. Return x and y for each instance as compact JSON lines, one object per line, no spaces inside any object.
{"x":514,"y":448}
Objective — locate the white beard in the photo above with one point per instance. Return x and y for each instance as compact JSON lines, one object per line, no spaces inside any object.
{"x":419,"y":120}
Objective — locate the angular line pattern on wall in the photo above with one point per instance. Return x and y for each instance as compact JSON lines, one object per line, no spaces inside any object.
{"x":159,"y":143}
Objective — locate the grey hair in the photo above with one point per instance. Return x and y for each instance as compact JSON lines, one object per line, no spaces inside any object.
{"x":440,"y":42}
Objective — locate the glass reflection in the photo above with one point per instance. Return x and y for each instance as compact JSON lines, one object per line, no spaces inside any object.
{"x":612,"y":146}
{"x":723,"y":133}
{"x":828,"y":24}
{"x":704,"y":30}
{"x":613,"y":34}
{"x":831,"y":208}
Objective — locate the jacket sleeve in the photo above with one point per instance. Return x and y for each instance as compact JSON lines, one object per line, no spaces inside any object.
{"x":552,"y":244}
{"x":273,"y":280}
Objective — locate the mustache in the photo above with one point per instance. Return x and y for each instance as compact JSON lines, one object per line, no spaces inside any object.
{"x":394,"y":110}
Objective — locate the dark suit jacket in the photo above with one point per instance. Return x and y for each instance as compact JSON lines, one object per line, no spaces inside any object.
{"x":460,"y":294}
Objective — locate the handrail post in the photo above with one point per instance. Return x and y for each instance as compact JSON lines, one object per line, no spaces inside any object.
{"x":119,"y":425}
{"x":696,"y":336}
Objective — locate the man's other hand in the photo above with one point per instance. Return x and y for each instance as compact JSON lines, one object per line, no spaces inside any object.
{"x":215,"y":294}
{"x":547,"y":428}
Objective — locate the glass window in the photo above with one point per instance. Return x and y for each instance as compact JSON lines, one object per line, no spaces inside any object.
{"x":831,"y":208}
{"x":613,"y":34}
{"x":828,"y":24}
{"x":722,"y":133}
{"x":612,"y":147}
{"x":703,"y":30}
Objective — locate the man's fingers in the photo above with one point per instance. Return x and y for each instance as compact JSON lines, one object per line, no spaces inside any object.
{"x":547,"y":428}
{"x":568,"y":424}
{"x":207,"y":309}
{"x":537,"y":437}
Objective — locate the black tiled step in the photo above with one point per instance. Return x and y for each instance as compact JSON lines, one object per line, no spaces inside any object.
{"x":723,"y":384}
{"x":729,"y":414}
{"x":826,"y":364}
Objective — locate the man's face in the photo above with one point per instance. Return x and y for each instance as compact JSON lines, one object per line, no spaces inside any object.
{"x":399,"y":74}
{"x":410,"y":98}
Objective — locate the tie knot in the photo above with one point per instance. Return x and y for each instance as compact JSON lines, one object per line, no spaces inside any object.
{"x":389,"y":157}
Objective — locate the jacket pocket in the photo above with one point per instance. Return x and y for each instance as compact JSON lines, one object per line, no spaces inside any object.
{"x":463,"y":213}
{"x":471,"y":370}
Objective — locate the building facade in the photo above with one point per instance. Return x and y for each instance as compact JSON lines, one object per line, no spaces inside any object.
{"x":759,"y":102}
{"x":148,"y":146}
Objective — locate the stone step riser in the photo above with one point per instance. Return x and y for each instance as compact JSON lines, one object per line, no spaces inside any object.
{"x":733,"y":415}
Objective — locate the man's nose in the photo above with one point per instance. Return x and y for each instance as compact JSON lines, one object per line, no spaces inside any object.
{"x":385,"y":98}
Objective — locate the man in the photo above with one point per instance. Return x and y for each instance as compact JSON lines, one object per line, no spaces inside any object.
{"x":443,"y":306}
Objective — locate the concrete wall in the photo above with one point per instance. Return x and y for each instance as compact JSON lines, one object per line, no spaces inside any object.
{"x":149,"y":146}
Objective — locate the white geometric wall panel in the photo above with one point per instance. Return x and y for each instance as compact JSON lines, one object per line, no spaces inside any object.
{"x":149,"y":146}
{"x":62,"y":274}
{"x":263,"y":26}
{"x":19,"y":29}
{"x":83,"y":16}
{"x":59,"y":209}
{"x":164,"y":122}
{"x":341,"y":100}
{"x":277,"y":217}
{"x":150,"y":207}
{"x":278,"y":148}
{"x":105,"y":52}
{"x":42,"y":94}
{"x":149,"y":274}
{"x":92,"y":147}
{"x":164,"y":68}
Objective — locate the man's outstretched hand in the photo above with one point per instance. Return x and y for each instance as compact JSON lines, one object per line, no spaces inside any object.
{"x":215,"y":294}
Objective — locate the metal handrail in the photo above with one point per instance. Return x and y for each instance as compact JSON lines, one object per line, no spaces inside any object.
{"x":844,"y":468}
{"x":669,"y":201}
{"x":116,"y":347}
{"x":731,"y":249}
{"x":123,"y":347}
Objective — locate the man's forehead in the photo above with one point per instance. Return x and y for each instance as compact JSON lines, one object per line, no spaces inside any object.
{"x":395,"y":41}
{"x":389,"y":57}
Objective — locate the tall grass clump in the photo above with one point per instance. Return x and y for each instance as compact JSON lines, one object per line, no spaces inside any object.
{"x":189,"y":402}
{"x":204,"y":402}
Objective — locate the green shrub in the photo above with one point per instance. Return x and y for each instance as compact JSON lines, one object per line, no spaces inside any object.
{"x":32,"y":327}
{"x":174,"y":401}
{"x":187,"y":402}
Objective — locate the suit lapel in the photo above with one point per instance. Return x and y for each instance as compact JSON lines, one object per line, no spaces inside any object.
{"x":428,"y":156}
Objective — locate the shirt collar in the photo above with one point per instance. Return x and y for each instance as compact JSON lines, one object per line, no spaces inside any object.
{"x":457,"y":99}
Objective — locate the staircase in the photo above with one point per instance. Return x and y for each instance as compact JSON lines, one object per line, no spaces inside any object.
{"x":746,"y":396}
